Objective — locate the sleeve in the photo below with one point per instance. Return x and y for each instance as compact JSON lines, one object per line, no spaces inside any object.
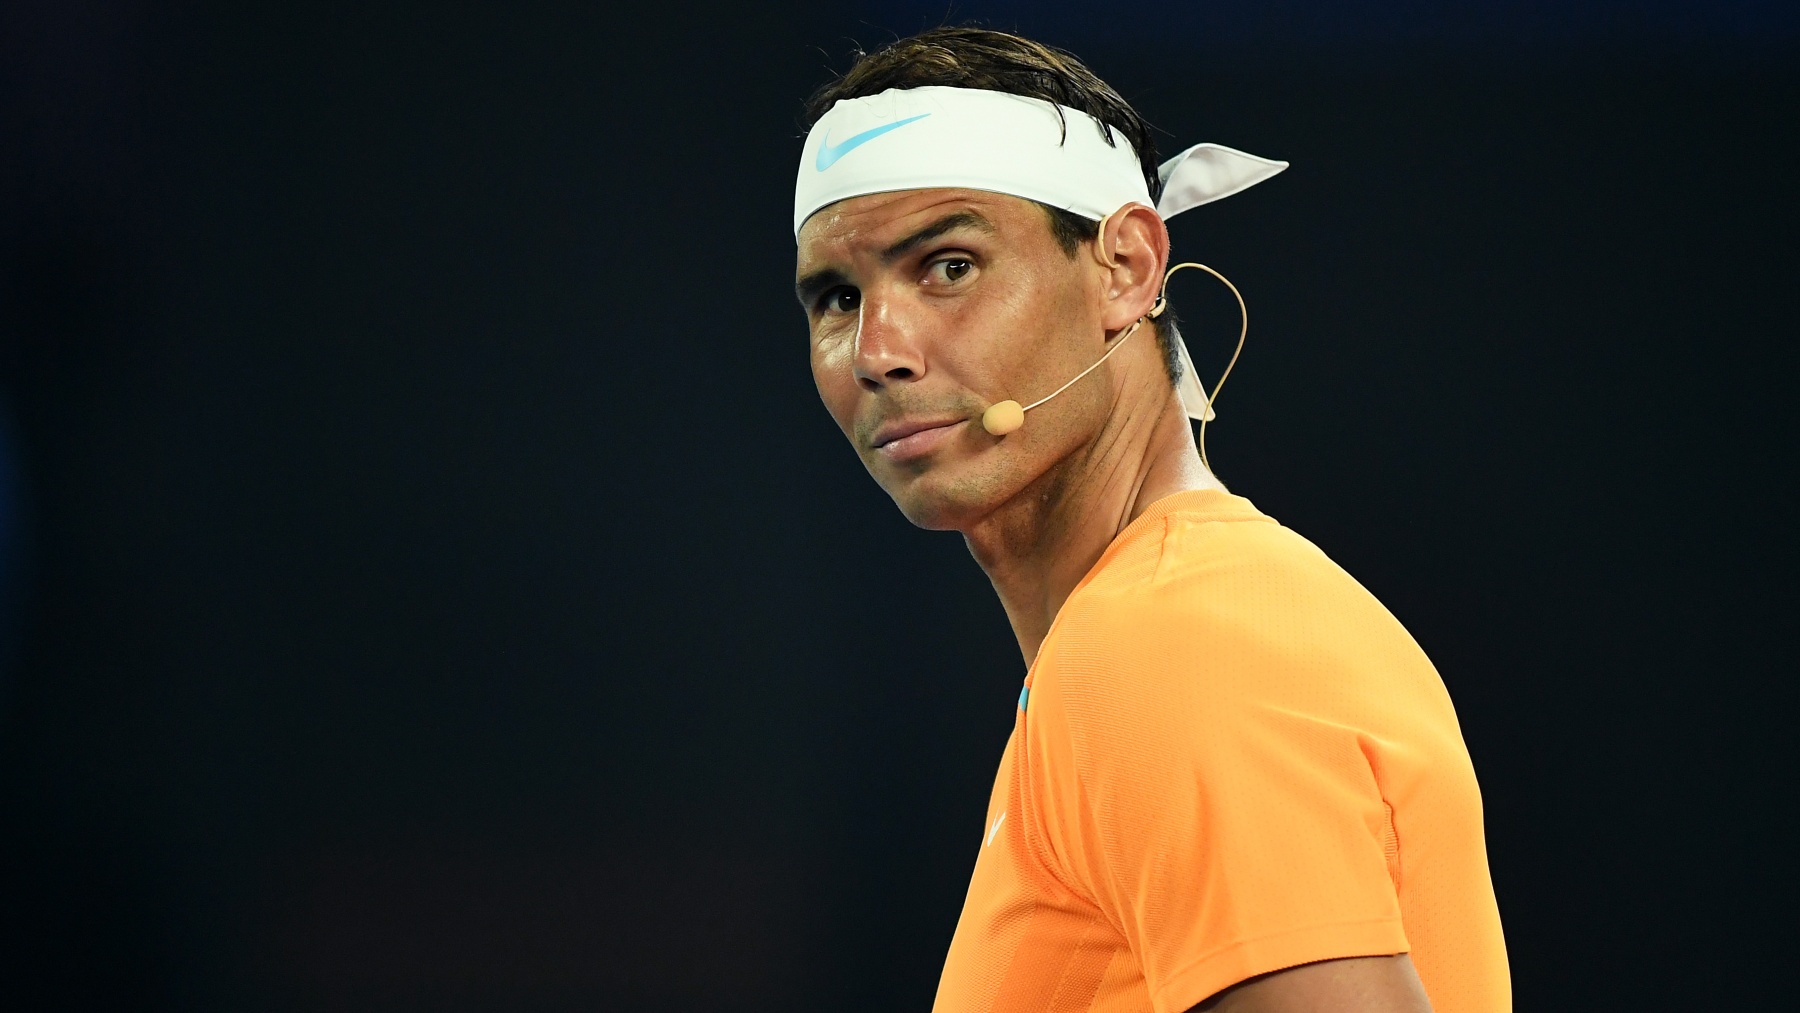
{"x":1223,"y":821}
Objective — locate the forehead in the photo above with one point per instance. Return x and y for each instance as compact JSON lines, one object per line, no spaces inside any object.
{"x":859,"y":225}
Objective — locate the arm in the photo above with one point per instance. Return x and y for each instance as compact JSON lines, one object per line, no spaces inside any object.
{"x":1351,"y":985}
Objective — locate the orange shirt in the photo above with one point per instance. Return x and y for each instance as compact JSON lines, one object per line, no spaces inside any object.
{"x":1228,"y":759}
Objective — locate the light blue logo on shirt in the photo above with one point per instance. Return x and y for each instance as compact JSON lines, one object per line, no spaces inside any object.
{"x":829,"y":153}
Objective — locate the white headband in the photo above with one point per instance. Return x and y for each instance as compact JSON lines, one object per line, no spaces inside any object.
{"x":919,"y":138}
{"x":914,"y":138}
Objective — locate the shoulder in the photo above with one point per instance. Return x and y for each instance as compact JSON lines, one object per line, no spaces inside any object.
{"x":1195,"y":590}
{"x":1216,"y":616}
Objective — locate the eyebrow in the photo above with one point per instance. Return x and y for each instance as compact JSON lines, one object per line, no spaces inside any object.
{"x":812,"y":286}
{"x":949,"y":223}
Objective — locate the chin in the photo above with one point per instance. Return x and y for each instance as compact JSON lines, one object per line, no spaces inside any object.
{"x":942,"y":502}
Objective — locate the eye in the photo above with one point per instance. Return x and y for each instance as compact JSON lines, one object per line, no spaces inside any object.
{"x":842,"y":299}
{"x":948,"y":271}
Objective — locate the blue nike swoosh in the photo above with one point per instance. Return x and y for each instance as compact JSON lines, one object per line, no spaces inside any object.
{"x":829,"y":153}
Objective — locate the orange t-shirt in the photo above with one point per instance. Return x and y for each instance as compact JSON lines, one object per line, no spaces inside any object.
{"x":1228,"y":759}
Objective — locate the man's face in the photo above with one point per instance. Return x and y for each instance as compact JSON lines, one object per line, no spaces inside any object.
{"x":925,"y":307}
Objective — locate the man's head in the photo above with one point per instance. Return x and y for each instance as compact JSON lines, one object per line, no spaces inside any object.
{"x":965,"y":57}
{"x":974,"y":215}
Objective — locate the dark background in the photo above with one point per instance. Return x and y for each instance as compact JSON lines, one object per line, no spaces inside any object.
{"x":430,"y":582}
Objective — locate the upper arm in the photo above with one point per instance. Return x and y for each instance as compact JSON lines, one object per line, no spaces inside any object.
{"x":1352,"y":985}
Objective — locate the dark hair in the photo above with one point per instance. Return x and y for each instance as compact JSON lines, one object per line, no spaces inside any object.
{"x":968,"y":57}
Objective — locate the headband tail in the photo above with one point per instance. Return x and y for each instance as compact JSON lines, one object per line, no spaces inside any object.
{"x":1206,"y":172}
{"x":1193,"y":396}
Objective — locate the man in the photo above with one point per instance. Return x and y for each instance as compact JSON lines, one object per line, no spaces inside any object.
{"x":1234,"y":781}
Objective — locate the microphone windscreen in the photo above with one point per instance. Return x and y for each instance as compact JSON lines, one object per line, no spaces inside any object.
{"x":1003,"y":417}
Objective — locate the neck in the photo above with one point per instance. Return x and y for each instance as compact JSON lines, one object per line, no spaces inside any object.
{"x":1039,"y":545}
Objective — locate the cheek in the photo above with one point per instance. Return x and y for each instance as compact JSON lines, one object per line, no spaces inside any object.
{"x":834,"y":376}
{"x":1029,"y":339}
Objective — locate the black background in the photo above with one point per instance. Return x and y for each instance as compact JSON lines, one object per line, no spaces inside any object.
{"x":432,"y":582}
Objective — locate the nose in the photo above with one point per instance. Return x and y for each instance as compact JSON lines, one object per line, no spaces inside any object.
{"x":887,"y":349}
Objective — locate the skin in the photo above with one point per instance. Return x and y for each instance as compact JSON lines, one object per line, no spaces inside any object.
{"x":927,"y":306}
{"x":989,"y":310}
{"x":1353,"y":985}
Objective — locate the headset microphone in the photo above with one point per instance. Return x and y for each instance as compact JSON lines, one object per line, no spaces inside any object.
{"x":1005,"y":417}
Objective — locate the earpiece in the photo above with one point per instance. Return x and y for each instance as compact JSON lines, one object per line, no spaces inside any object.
{"x":1106,"y":259}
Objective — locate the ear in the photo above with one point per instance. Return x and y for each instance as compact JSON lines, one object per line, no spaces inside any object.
{"x":1133,"y":250}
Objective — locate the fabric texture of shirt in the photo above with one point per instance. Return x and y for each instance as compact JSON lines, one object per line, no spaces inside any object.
{"x":1228,"y":759}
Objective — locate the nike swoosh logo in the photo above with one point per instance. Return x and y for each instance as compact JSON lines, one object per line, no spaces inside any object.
{"x":829,"y":153}
{"x":995,"y":830}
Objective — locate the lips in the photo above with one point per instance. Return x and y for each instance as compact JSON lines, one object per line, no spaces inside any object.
{"x":901,"y":429}
{"x":909,"y":439}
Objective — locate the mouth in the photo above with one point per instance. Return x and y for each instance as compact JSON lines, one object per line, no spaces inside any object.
{"x":911,"y":438}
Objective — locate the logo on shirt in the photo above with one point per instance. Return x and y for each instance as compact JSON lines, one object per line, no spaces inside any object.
{"x":829,"y":153}
{"x":994,"y":829}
